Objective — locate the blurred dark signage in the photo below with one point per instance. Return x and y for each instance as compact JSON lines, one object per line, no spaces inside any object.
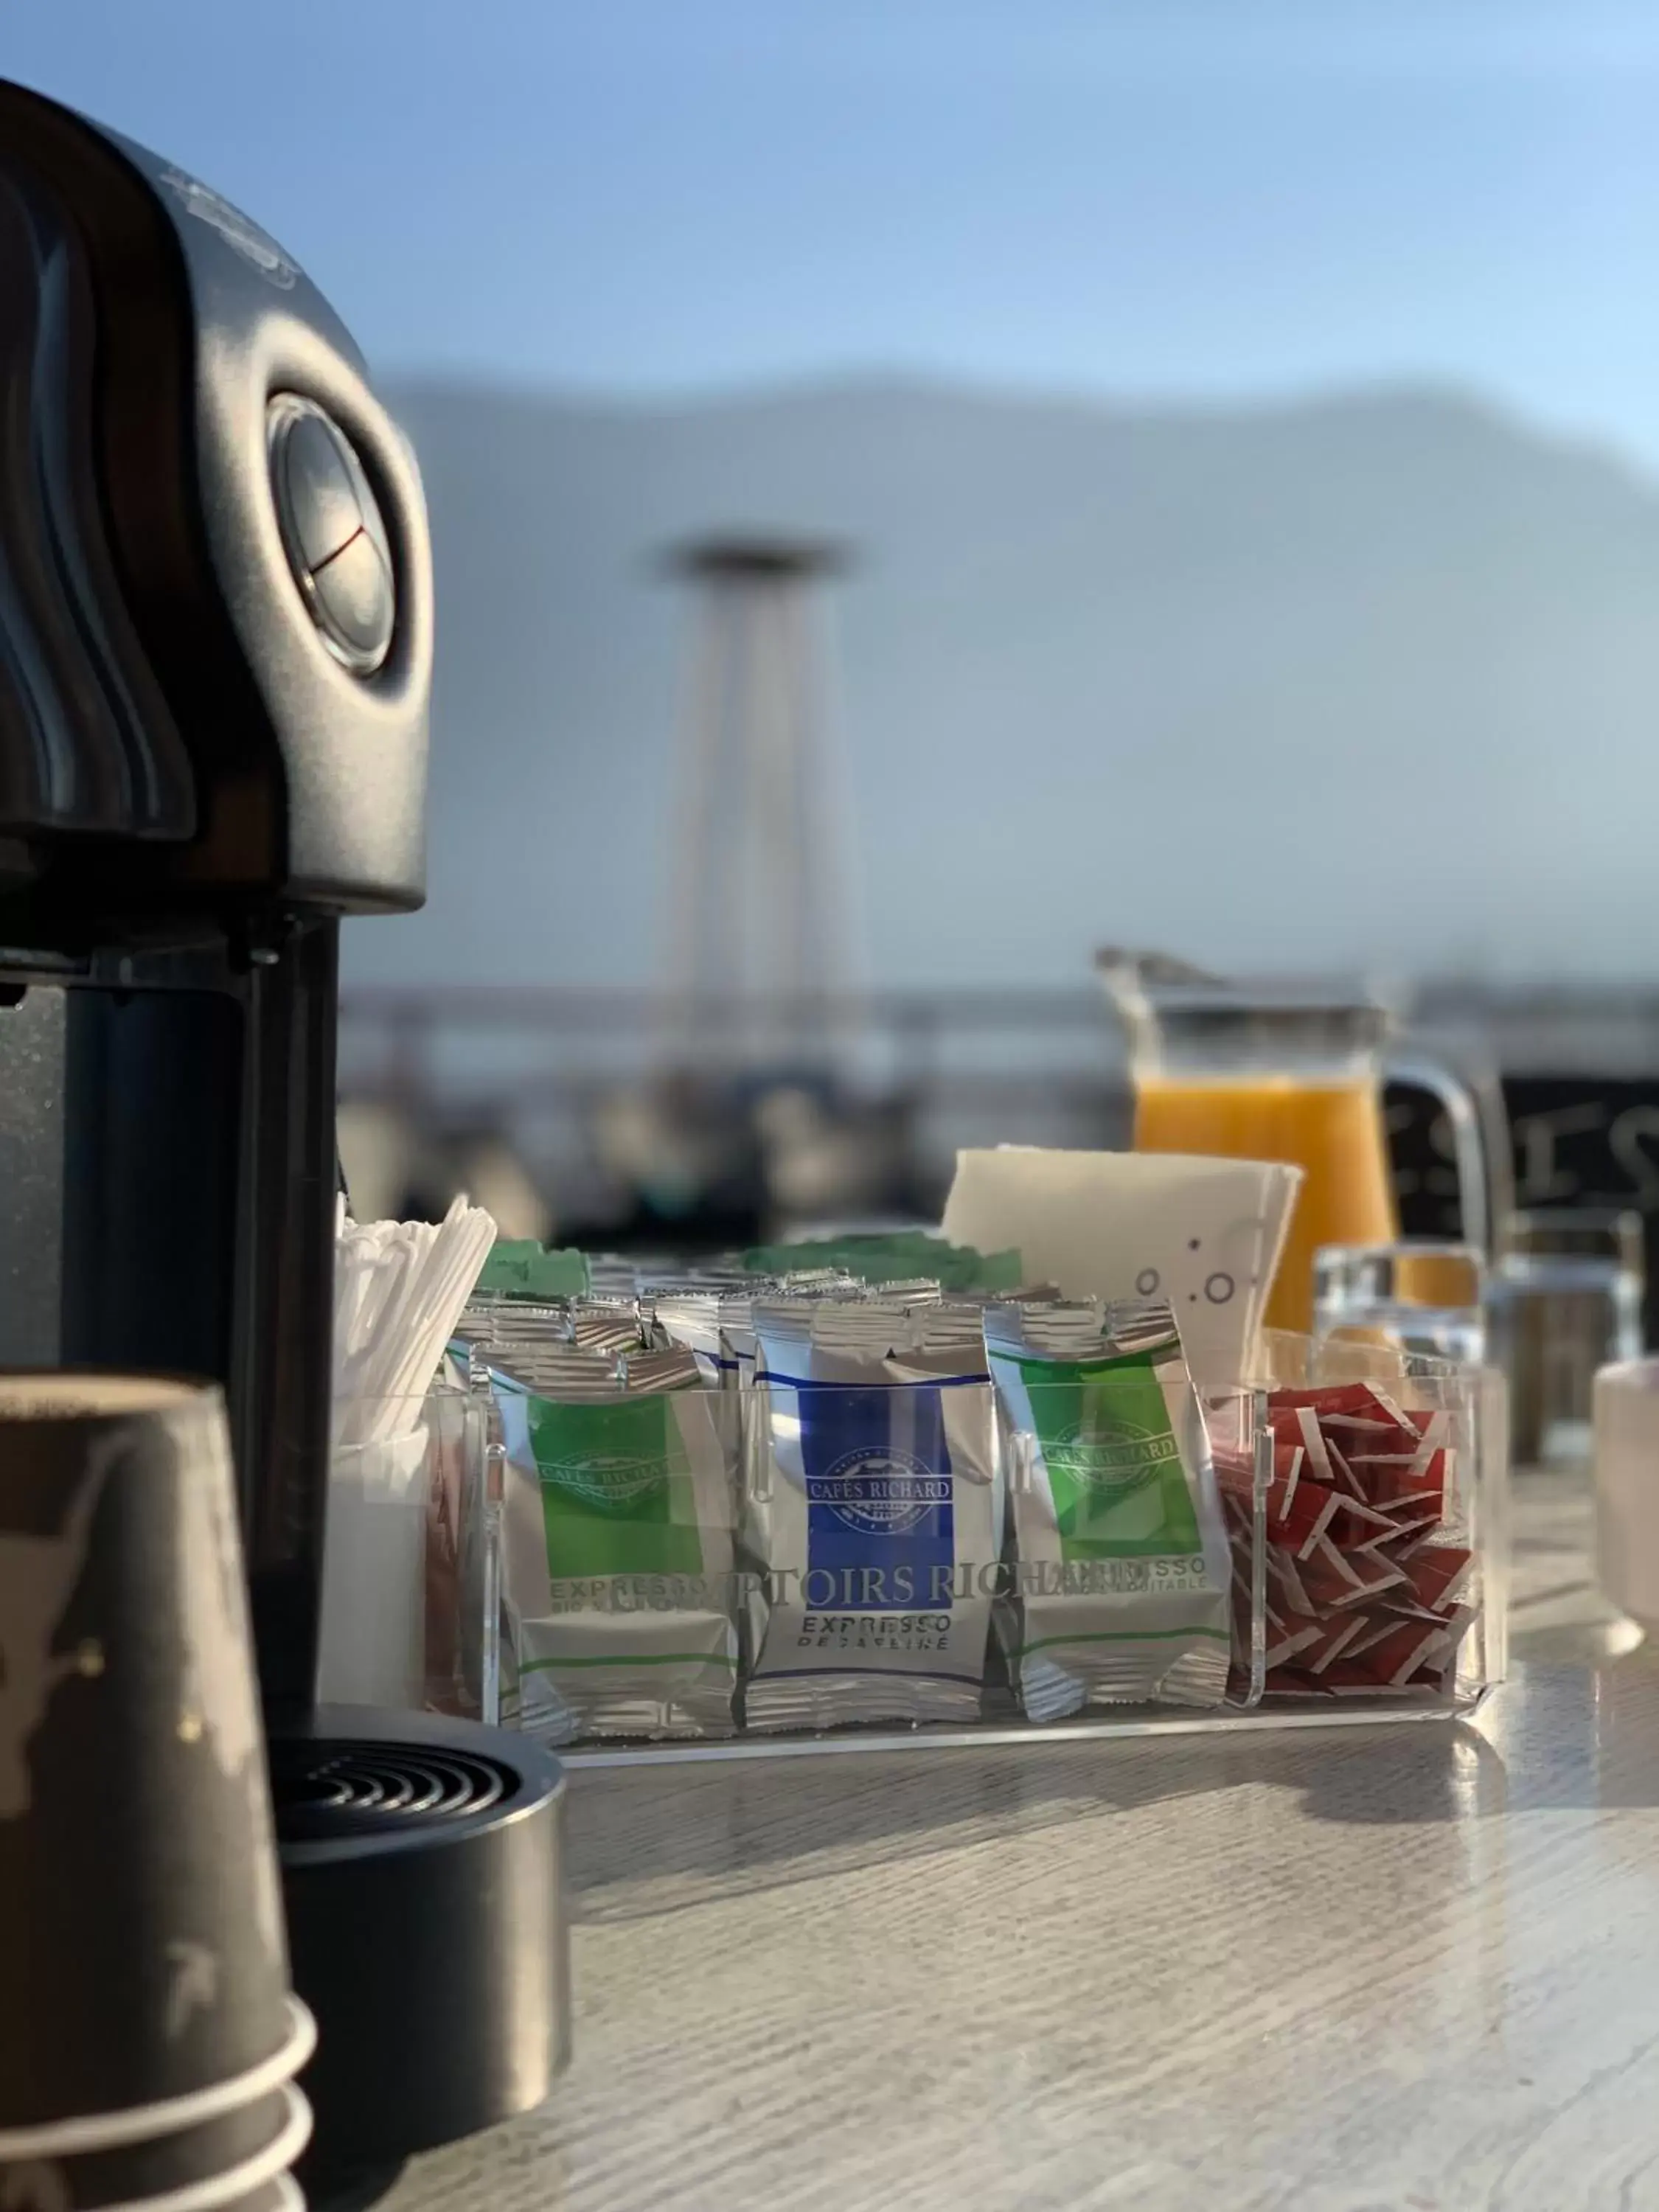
{"x":1580,"y":1140}
{"x":1424,"y":1171}
{"x":1577,"y":1140}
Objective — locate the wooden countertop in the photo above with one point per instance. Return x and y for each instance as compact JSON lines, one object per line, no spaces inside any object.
{"x":1410,"y":1967}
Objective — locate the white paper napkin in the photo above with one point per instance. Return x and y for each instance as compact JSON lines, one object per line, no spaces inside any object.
{"x":372,"y":1636}
{"x":1206,"y":1234}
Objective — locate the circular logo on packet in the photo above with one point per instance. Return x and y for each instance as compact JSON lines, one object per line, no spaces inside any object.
{"x":1119,"y":1462}
{"x":881,"y":1492}
{"x":612,"y":1485}
{"x":254,"y":245}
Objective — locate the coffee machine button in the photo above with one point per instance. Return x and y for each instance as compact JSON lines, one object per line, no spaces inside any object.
{"x":353,"y":604}
{"x":317,"y":493}
{"x":333,"y":533}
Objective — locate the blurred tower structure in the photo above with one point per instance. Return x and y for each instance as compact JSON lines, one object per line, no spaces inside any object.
{"x":762,"y":919}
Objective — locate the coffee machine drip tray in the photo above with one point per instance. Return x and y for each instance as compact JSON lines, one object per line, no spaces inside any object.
{"x":422,"y":1864}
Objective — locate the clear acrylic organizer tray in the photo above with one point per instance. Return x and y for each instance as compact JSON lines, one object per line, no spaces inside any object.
{"x":411,"y":1614}
{"x":682,"y":1578}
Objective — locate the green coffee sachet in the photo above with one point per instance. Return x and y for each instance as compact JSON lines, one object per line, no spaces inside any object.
{"x":618,"y":1554}
{"x":1118,"y":1589}
{"x":520,"y":1267}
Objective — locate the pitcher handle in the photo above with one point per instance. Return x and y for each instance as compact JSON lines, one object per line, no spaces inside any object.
{"x":1463,"y":1112}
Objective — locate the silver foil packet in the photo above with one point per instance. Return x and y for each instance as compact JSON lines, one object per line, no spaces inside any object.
{"x":1119,"y":1569}
{"x":872,"y":1514}
{"x":717,"y":1322}
{"x":607,"y":1324}
{"x":617,"y":1568}
{"x":692,"y":1320}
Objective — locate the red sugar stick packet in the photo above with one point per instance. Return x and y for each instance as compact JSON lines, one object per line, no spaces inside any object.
{"x":1364,"y":1600}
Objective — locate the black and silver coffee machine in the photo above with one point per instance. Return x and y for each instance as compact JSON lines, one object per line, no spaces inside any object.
{"x":216,"y":645}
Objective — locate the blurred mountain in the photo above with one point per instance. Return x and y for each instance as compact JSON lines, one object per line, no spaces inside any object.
{"x":1373,"y":676}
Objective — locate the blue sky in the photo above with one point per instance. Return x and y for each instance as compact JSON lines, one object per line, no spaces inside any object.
{"x":1212,"y":197}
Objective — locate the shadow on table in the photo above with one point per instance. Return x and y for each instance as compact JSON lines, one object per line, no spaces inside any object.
{"x":752,"y":1824}
{"x":1556,"y":1737}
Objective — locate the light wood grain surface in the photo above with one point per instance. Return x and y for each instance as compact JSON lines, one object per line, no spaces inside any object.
{"x":1412,"y":1967}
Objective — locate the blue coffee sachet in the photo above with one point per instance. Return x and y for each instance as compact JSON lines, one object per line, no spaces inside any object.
{"x":872,"y":1513}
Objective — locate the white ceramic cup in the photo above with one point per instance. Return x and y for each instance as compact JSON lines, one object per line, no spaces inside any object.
{"x":1626,"y":1419}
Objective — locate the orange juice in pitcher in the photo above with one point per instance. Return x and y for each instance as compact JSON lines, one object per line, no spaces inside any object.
{"x":1291,"y":1075}
{"x":1332,"y":1131}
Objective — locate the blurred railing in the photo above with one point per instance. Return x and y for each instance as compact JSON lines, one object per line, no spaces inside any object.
{"x":792,"y":1108}
{"x":516,"y":1044}
{"x":828,"y":1103}
{"x":423,"y":1044}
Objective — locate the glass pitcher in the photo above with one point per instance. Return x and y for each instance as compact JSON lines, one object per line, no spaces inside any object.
{"x":1289,"y":1075}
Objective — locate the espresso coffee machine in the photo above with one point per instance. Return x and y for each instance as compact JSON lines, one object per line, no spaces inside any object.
{"x":215,"y":646}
